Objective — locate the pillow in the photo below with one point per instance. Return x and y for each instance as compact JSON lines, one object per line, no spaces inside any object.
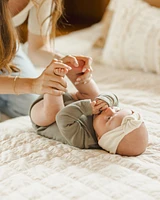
{"x":105,"y":23}
{"x":133,"y":40}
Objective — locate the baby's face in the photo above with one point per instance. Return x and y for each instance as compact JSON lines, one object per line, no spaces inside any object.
{"x":108,"y":120}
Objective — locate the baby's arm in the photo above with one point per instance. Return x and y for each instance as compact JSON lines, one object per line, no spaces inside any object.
{"x":88,"y":90}
{"x":103,"y":101}
{"x":70,"y":125}
{"x":43,"y":113}
{"x":98,"y":106}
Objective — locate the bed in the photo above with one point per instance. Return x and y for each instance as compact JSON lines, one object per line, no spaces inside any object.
{"x":34,"y":167}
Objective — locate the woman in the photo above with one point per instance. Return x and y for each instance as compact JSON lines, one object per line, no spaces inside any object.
{"x":42,"y":17}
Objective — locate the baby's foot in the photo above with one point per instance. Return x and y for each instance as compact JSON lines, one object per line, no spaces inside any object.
{"x":77,"y":70}
{"x":60,"y":71}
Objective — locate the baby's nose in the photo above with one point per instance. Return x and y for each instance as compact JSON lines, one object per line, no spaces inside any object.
{"x":110,"y":111}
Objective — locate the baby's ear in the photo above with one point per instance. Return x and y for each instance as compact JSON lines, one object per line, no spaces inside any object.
{"x":134,"y":143}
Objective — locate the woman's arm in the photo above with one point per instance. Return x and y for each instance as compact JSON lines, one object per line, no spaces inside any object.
{"x":12,"y":85}
{"x":47,"y":82}
{"x":70,"y":125}
{"x":41,"y":53}
{"x":39,"y":50}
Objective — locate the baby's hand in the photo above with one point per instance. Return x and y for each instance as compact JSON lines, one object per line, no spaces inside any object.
{"x":98,"y":106}
{"x":101,"y":104}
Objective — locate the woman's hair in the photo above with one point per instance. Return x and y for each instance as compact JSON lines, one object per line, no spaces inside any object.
{"x":8,"y":33}
{"x":56,"y":12}
{"x":8,"y":39}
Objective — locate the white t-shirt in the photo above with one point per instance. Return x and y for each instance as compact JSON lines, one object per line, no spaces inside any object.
{"x":36,"y":16}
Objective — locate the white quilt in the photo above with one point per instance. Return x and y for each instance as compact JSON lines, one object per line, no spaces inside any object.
{"x":37,"y":168}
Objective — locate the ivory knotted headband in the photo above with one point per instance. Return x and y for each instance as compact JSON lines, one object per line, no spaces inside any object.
{"x":111,"y":139}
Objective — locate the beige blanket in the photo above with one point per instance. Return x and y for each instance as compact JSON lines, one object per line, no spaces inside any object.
{"x":36,"y":168}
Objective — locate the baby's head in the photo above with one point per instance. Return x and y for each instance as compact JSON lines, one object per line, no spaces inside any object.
{"x":121,"y":131}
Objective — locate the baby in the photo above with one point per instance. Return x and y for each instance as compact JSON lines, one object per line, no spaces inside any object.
{"x":88,"y":119}
{"x":122,"y":131}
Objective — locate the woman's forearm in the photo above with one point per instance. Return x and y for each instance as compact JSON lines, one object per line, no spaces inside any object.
{"x":41,"y":51}
{"x":41,"y":57}
{"x":16,"y":85}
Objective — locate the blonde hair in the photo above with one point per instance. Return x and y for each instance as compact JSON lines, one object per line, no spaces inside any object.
{"x":9,"y":37}
{"x":57,"y":10}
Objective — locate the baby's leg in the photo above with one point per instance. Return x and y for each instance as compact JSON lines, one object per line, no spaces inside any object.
{"x":54,"y":103}
{"x":49,"y":106}
{"x":75,"y":72}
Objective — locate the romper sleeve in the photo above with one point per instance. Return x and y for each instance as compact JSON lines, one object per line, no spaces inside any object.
{"x":70,"y":124}
{"x":37,"y":15}
{"x":110,"y":98}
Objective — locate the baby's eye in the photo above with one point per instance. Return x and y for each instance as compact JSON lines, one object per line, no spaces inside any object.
{"x":100,"y":112}
{"x":108,"y":118}
{"x":117,"y":109}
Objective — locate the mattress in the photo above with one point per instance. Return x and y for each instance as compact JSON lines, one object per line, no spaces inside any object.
{"x":34,"y":167}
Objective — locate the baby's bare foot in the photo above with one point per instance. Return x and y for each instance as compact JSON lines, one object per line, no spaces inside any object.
{"x":78,"y":69}
{"x":60,"y":71}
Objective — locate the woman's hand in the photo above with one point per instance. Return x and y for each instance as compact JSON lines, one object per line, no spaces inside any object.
{"x":48,"y":82}
{"x":81,"y":64}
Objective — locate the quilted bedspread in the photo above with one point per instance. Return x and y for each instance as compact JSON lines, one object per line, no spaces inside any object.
{"x":36,"y":168}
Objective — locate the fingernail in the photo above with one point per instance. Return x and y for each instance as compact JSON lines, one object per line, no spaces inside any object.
{"x":78,"y":79}
{"x":76,"y":83}
{"x":84,"y":69}
{"x":76,"y":64}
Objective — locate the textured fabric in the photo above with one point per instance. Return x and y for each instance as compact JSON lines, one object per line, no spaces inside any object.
{"x":133,"y":38}
{"x":110,"y":140}
{"x":35,"y":167}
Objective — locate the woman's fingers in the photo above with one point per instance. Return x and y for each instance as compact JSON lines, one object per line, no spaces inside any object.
{"x":54,"y":79}
{"x":58,"y":85}
{"x":82,"y":66}
{"x":84,"y":62}
{"x":49,"y":82}
{"x":71,"y":60}
{"x":40,"y":86}
{"x":84,"y":78}
{"x":87,"y":62}
{"x":53,"y":91}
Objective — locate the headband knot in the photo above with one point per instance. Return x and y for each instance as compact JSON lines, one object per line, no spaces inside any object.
{"x":111,"y":139}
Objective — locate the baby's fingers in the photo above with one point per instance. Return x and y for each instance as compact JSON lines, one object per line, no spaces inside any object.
{"x":104,"y":107}
{"x":101,"y":105}
{"x":95,"y":110}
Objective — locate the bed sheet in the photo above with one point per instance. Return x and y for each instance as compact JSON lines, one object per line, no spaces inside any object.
{"x":33,"y":167}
